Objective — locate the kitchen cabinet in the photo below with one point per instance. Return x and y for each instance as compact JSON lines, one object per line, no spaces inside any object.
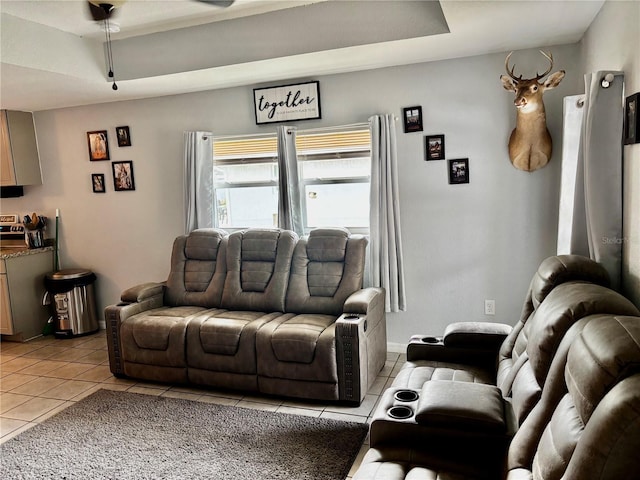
{"x":19,"y":159}
{"x":22,"y":315}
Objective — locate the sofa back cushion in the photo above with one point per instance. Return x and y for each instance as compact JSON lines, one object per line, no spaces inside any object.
{"x":198,"y":269}
{"x":327,"y":267}
{"x":258,"y":266}
{"x":593,"y":432}
{"x":553,"y":271}
{"x":562,"y":308}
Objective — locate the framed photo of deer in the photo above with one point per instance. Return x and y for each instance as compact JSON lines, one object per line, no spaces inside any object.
{"x":412,"y":118}
{"x":459,"y":171}
{"x":632,"y":119}
{"x":434,"y":147}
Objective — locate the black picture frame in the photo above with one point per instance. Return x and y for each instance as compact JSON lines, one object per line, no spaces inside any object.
{"x":123,"y":179}
{"x":98,"y":142}
{"x":287,"y":103}
{"x":124,"y":136}
{"x":412,"y":119}
{"x":97,"y":182}
{"x":458,"y":171}
{"x":632,"y":119}
{"x":434,"y":147}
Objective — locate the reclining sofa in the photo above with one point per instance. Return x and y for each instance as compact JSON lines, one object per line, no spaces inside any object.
{"x":256,"y":310}
{"x":450,"y":414}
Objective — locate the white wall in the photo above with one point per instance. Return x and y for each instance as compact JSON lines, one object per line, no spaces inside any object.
{"x":462,"y":243}
{"x":611,"y":43}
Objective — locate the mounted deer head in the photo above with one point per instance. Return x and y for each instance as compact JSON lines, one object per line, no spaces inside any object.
{"x":530,"y":143}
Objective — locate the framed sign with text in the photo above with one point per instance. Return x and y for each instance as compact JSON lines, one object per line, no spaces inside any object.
{"x":287,"y":103}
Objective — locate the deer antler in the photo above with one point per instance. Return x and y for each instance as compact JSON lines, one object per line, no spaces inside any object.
{"x":550,"y":58}
{"x":510,"y":72}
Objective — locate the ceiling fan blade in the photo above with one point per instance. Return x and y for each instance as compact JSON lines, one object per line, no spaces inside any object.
{"x":218,"y":3}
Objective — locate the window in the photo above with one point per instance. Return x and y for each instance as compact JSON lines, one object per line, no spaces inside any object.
{"x":334,"y":171}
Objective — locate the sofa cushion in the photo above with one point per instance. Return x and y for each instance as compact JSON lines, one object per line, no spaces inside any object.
{"x":295,"y":340}
{"x":327,"y":244}
{"x":221,"y":334}
{"x":607,"y":351}
{"x":258,"y":256}
{"x":593,"y":430}
{"x":258,"y":266}
{"x":198,"y":269}
{"x":327,"y":267}
{"x":553,"y":271}
{"x":157,"y":337}
{"x":413,"y":375}
{"x":461,"y":406}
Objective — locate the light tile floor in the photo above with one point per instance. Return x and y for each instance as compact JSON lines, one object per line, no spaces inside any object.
{"x":44,"y":376}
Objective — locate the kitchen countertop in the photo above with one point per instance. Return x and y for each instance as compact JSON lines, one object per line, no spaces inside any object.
{"x":20,"y":252}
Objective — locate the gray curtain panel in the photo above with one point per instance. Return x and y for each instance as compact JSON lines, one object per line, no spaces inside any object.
{"x":385,"y":249}
{"x":289,"y":204}
{"x":595,"y":219}
{"x":198,"y":181}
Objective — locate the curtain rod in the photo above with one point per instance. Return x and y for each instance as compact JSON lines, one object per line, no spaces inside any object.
{"x":306,"y":131}
{"x":337,"y":127}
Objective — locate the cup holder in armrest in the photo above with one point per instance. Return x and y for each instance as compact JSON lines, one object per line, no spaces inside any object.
{"x":351,"y":316}
{"x":431,"y":340}
{"x":406,"y":395}
{"x":400,"y":412}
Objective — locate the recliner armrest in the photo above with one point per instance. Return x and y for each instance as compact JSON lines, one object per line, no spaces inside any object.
{"x":134,"y":300}
{"x":361,"y":301}
{"x":482,"y":335}
{"x":361,"y":343}
{"x":142,"y":292}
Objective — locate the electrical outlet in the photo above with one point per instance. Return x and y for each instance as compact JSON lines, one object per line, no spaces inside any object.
{"x":489,"y":307}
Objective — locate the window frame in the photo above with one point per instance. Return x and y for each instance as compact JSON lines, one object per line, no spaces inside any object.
{"x":308,"y":155}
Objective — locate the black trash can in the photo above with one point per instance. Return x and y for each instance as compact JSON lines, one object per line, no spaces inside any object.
{"x":72,"y":297}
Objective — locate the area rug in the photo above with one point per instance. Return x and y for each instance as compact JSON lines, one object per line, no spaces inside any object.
{"x":119,"y":435}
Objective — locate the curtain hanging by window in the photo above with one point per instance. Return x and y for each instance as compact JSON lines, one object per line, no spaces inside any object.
{"x":385,"y":249}
{"x":593,"y":225}
{"x":289,"y":205}
{"x":198,"y":181}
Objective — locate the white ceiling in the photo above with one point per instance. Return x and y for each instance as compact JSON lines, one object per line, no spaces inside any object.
{"x":52,"y":53}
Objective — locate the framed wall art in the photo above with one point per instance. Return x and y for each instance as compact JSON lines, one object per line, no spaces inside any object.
{"x":98,"y":145}
{"x":123,"y":176}
{"x":434,"y":147}
{"x":412,"y":118}
{"x":459,"y":171}
{"x":124,"y":136}
{"x":286,"y":103}
{"x":632,"y":119}
{"x":97,"y":180}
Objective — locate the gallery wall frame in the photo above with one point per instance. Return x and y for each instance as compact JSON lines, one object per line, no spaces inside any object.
{"x":123,"y":179}
{"x":458,"y":171}
{"x":97,"y":182}
{"x":632,"y":119}
{"x":434,"y":147}
{"x":98,"y":143}
{"x":124,"y":136}
{"x":412,"y":119}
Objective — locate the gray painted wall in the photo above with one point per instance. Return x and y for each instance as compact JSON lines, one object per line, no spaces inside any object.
{"x":612,"y":43}
{"x":462,"y":243}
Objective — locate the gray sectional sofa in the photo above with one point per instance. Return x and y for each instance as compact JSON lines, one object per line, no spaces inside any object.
{"x":556,"y":396}
{"x":256,"y":310}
